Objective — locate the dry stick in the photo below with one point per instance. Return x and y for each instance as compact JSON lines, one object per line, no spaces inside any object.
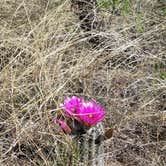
{"x":86,"y":11}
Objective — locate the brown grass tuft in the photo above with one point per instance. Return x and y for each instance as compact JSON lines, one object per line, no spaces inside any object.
{"x":46,"y":56}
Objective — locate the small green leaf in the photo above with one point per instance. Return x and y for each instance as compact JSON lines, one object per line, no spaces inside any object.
{"x":126,"y":6}
{"x":164,"y":11}
{"x":104,"y":4}
{"x":163,"y":75}
{"x":140,"y":27}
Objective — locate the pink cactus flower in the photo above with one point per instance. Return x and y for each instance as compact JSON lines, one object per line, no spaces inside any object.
{"x":63,"y":126}
{"x":81,"y":115}
{"x":72,"y":105}
{"x":90,"y":113}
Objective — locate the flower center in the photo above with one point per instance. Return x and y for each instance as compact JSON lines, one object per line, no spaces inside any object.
{"x":90,"y":115}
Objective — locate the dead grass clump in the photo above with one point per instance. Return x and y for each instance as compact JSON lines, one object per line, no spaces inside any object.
{"x":45,"y":56}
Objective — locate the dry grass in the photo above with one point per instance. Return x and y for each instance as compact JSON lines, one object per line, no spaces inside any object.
{"x":45,"y":56}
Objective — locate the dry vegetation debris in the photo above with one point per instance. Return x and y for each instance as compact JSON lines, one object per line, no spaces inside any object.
{"x":45,"y":56}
